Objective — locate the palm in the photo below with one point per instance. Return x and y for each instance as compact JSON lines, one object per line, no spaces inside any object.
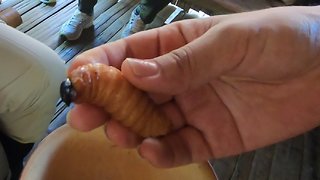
{"x":240,"y":115}
{"x":253,"y":104}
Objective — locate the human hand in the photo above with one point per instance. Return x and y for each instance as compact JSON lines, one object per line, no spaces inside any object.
{"x":230,"y":84}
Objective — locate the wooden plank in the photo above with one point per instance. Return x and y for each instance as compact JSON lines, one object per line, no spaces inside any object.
{"x":287,"y":160}
{"x":224,"y":168}
{"x":248,"y":166}
{"x":9,"y":3}
{"x":293,"y":159}
{"x":243,"y":167}
{"x":309,"y":157}
{"x":59,"y":108}
{"x":26,"y":5}
{"x":262,"y":163}
{"x":315,"y":163}
{"x":118,"y":34}
{"x":42,"y":12}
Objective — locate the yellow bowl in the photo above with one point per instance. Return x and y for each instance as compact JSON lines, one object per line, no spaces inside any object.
{"x":67,"y":154}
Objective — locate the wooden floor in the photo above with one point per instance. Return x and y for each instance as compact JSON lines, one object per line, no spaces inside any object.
{"x":43,"y":23}
{"x":295,"y":159}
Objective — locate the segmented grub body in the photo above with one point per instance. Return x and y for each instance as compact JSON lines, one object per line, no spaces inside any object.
{"x":106,"y":87}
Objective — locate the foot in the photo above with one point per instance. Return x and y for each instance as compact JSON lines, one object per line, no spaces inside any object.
{"x":73,"y":28}
{"x":135,"y":25}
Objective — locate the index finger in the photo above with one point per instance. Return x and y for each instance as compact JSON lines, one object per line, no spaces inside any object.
{"x":143,"y":45}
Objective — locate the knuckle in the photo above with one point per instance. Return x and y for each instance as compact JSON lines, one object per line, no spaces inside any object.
{"x":184,"y":65}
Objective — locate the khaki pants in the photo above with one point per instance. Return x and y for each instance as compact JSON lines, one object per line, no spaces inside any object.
{"x":30,"y":76}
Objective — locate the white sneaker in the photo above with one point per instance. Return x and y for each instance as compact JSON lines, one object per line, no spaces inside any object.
{"x":134,"y":25}
{"x":73,"y":28}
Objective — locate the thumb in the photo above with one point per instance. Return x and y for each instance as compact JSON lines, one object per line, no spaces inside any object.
{"x":214,"y":53}
{"x":171,"y":73}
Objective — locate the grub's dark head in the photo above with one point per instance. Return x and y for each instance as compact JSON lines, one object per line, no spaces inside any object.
{"x":67,"y":93}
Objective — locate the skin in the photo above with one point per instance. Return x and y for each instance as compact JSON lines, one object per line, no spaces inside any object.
{"x":230,"y":84}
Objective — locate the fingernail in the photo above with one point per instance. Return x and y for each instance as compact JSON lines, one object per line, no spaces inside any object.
{"x":139,"y":152}
{"x":145,"y":141}
{"x":143,"y":68}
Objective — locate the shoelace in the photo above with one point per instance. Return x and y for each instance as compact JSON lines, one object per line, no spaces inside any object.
{"x":132,"y":20}
{"x":75,"y":20}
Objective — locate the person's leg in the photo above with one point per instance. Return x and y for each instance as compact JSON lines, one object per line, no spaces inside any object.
{"x":87,"y":6}
{"x":81,"y":19}
{"x":30,"y":76}
{"x":148,"y":9}
{"x":142,"y":15}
